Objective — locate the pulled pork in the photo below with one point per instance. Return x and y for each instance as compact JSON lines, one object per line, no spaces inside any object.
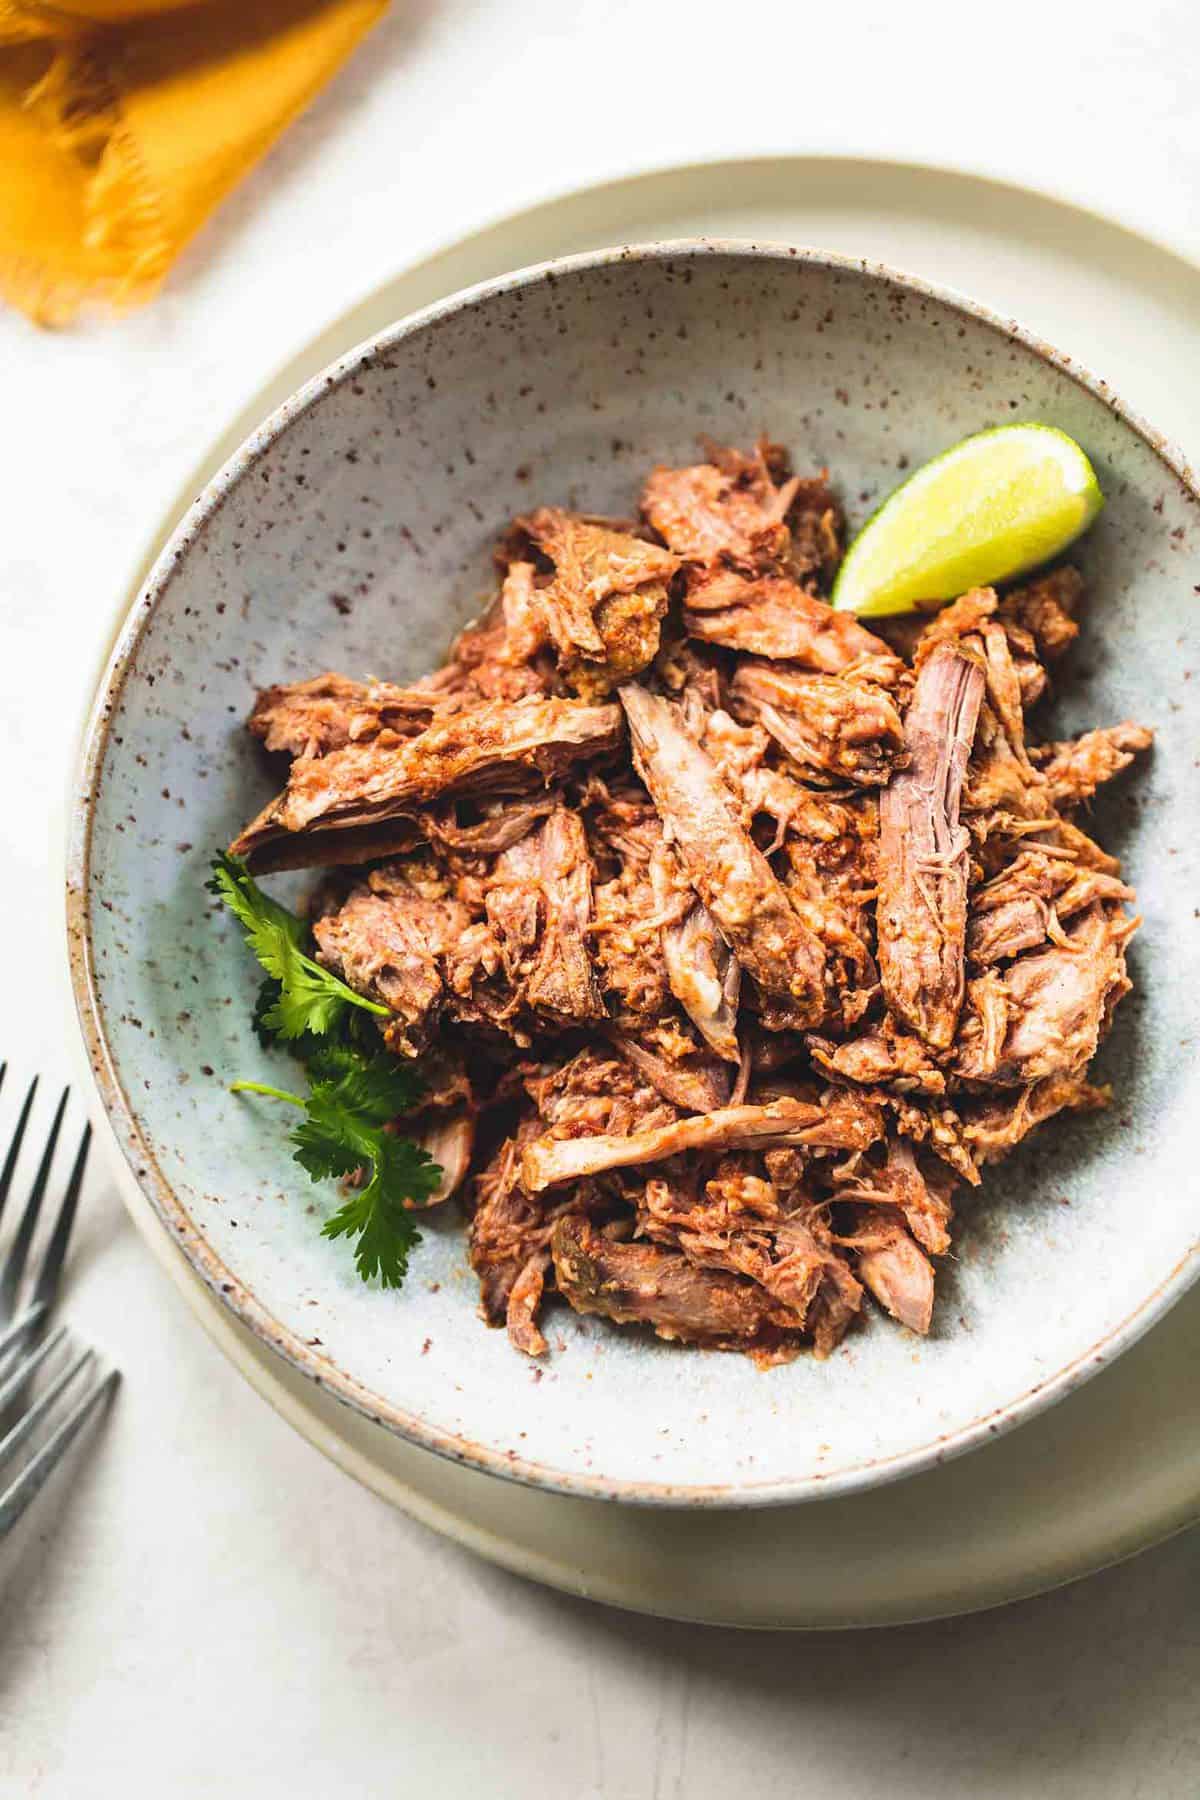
{"x":732,"y":938}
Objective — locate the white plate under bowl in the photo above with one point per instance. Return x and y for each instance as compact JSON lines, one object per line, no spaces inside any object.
{"x":932,"y":222}
{"x":1108,"y":1472}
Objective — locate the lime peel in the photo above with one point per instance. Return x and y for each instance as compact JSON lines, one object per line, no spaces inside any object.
{"x":995,"y":505}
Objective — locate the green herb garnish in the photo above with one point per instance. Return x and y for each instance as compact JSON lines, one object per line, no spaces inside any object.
{"x":308,"y":997}
{"x":355,"y":1091}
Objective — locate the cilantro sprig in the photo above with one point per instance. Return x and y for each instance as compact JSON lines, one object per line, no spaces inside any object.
{"x":308,"y":997}
{"x":355,"y":1092}
{"x":351,"y":1100}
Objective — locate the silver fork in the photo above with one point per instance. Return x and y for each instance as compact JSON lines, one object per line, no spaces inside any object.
{"x":25,"y":1350}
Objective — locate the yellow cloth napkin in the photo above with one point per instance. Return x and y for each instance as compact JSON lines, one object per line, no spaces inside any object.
{"x":123,"y":123}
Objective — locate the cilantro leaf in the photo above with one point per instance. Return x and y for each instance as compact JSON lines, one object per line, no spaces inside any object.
{"x":356,"y":1090}
{"x":343,"y":1131}
{"x":309,"y":998}
{"x":271,"y":930}
{"x":323,"y":1154}
{"x":264,"y":1005}
{"x":374,"y":1087}
{"x":380,"y":1214}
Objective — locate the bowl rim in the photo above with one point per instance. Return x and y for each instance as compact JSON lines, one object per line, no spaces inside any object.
{"x":232,"y":1293}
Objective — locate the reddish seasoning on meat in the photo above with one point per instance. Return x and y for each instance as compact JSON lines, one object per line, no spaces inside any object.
{"x":731,"y":935}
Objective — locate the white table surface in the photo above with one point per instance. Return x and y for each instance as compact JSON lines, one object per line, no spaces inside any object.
{"x":211,"y":1608}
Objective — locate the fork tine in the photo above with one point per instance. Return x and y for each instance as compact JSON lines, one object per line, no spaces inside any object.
{"x":32,"y":1316}
{"x":52,"y":1262}
{"x":28,"y":1422}
{"x":29,"y":1482}
{"x":14,"y":1266}
{"x":13,"y":1383}
{"x":14,"y":1149}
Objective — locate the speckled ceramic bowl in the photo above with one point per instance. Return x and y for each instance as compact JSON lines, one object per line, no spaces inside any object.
{"x":353,"y":531}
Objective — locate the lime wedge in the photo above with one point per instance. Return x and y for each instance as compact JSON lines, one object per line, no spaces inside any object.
{"x":995,"y":505}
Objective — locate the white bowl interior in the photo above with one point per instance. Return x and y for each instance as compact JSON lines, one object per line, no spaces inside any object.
{"x":354,"y":533}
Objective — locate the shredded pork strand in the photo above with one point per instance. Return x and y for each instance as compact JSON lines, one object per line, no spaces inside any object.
{"x":922,"y":913}
{"x":732,"y":936}
{"x":840,"y":1121}
{"x":730,"y":874}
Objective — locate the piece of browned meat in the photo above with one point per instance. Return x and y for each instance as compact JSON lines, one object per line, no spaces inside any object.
{"x":512,"y":905}
{"x":505,"y":655}
{"x":268,"y":849}
{"x":490,"y":748}
{"x":746,"y":512}
{"x":753,"y":541}
{"x":1032,"y":679}
{"x":689,"y":1076}
{"x":996,"y":1125}
{"x":644,"y":891}
{"x":891,"y":1265}
{"x":1045,"y":608}
{"x":826,"y":848}
{"x":730,"y":874}
{"x":1003,"y":687}
{"x":922,"y":1195}
{"x":604,"y":599}
{"x":386,"y":940}
{"x":596,"y":1092}
{"x":765,"y":790}
{"x":524,"y":1304}
{"x":705,"y":978}
{"x":922,"y":910}
{"x":449,"y":1138}
{"x":309,"y":718}
{"x":636,"y":912}
{"x":1004,"y":931}
{"x":558,"y":976}
{"x":510,"y":1229}
{"x":740,"y":1223}
{"x":1067,"y":837}
{"x":880,"y":1054}
{"x":963,"y":620}
{"x":839,"y":1121}
{"x":772,"y":616}
{"x":983,"y":1026}
{"x":828,"y":860}
{"x":836,"y":1303}
{"x":406,"y":939}
{"x":1004,"y":797}
{"x":733,"y":507}
{"x":1016,"y":676}
{"x":931,"y":1124}
{"x":527,"y":964}
{"x":639,"y":1284}
{"x":1060,"y":1000}
{"x":497,"y":826}
{"x":1023,"y":906}
{"x":847,"y":730}
{"x":509,"y":1236}
{"x":1075,"y":769}
{"x":563,"y":982}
